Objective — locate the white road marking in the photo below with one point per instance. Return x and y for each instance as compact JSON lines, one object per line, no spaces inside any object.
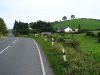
{"x":41,"y":60}
{"x":4,"y":49}
{"x":14,"y":41}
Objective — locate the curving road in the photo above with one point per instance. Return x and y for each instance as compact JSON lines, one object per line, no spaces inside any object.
{"x":23,"y":56}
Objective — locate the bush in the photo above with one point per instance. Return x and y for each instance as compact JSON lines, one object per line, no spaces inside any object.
{"x":98,"y":37}
{"x":90,"y":34}
{"x":98,"y":34}
{"x":73,"y":43}
{"x":84,"y":30}
{"x":98,"y":29}
{"x":99,"y":40}
{"x":60,"y":39}
{"x":16,"y":34}
{"x":1,"y":34}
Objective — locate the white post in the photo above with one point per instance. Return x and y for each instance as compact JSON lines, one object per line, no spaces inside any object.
{"x":52,"y":41}
{"x":64,"y":55}
{"x":45,"y":38}
{"x":41,"y":35}
{"x":35,"y":34}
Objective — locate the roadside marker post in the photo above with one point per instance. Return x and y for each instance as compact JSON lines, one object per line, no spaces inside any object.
{"x":36,"y":34}
{"x":41,"y":35}
{"x":52,"y":41}
{"x":45,"y":38}
{"x":64,"y":55}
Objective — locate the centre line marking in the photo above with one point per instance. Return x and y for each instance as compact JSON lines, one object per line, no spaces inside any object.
{"x":41,"y":60}
{"x":4,"y":49}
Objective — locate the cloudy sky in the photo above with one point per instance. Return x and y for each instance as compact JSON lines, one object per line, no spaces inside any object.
{"x":47,"y":10}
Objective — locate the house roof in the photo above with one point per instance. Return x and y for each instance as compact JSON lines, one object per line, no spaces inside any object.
{"x":61,"y":30}
{"x":66,"y":28}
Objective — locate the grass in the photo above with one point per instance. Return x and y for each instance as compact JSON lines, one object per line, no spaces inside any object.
{"x":89,"y":45}
{"x":90,"y":24}
{"x":81,"y":62}
{"x":2,"y":37}
{"x":86,"y":60}
{"x":54,"y":56}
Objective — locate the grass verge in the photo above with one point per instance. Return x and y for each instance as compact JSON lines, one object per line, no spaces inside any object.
{"x":78,"y":62}
{"x":53,"y":55}
{"x":2,"y":37}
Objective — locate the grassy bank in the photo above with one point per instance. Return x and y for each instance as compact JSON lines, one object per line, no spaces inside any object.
{"x":86,"y":60}
{"x":89,"y":45}
{"x":54,"y":56}
{"x":79,"y":62}
{"x":2,"y":37}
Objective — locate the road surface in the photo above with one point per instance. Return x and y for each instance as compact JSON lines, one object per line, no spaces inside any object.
{"x":23,"y":56}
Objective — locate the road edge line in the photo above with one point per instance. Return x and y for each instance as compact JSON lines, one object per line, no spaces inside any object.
{"x":4,"y":49}
{"x":41,"y":60}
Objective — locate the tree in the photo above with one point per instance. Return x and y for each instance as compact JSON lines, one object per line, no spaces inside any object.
{"x":41,"y":26}
{"x":72,"y":16}
{"x":21,"y":28}
{"x":79,"y":28}
{"x":3,"y":28}
{"x":64,"y":18}
{"x":98,"y":35}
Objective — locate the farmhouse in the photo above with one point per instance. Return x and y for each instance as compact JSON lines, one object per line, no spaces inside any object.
{"x":75,"y":30}
{"x":68,"y":29}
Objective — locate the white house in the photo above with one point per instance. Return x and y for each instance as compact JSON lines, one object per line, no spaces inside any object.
{"x":68,"y":29}
{"x":76,"y":30}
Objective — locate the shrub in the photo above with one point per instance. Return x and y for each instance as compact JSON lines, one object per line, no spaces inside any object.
{"x":60,"y":39}
{"x":58,"y":47}
{"x":98,"y":34}
{"x":99,"y":40}
{"x":1,"y":34}
{"x":90,"y":34}
{"x":84,"y":30}
{"x":16,"y":34}
{"x":73,"y":43}
{"x":98,"y":29}
{"x":98,"y":37}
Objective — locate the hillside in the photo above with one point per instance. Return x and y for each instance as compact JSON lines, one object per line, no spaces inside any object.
{"x":91,"y":24}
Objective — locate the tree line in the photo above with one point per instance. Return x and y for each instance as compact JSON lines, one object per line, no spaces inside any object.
{"x":3,"y":28}
{"x":20,"y":28}
{"x":33,"y":27}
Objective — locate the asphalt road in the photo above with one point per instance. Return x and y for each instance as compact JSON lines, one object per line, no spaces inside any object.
{"x":23,"y":56}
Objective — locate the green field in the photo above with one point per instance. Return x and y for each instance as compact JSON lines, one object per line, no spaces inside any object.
{"x":91,"y":24}
{"x":88,"y":45}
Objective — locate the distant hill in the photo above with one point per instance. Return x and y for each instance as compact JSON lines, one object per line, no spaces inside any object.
{"x":91,"y":24}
